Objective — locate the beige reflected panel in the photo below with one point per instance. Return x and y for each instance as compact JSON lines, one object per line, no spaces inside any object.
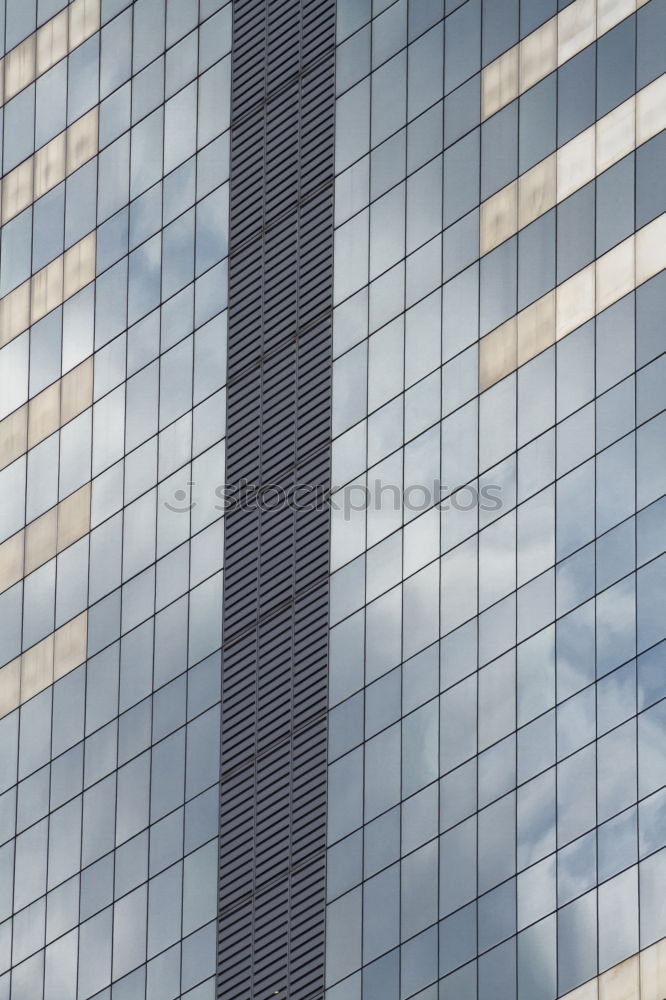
{"x":47,"y":289}
{"x":574,"y":302}
{"x":615,"y":274}
{"x":651,"y":250}
{"x":52,"y":42}
{"x":517,"y":341}
{"x":621,"y":982}
{"x":76,"y":391}
{"x":20,"y":67}
{"x":46,"y":662}
{"x":641,"y":977}
{"x":653,"y":971}
{"x":47,"y":46}
{"x":84,"y":21}
{"x":551,"y":45}
{"x":10,"y":687}
{"x":37,"y":668}
{"x":499,"y":218}
{"x":14,"y":313}
{"x":11,"y":561}
{"x":616,"y":135}
{"x":536,"y":329}
{"x":82,"y":141}
{"x":46,"y":412}
{"x":538,"y":54}
{"x":79,"y":266}
{"x":497,"y":354}
{"x":500,"y":84}
{"x":537,"y":191}
{"x":576,"y":29}
{"x":74,"y":518}
{"x":573,"y":165}
{"x":611,"y":12}
{"x":50,"y":165}
{"x":45,"y":537}
{"x":61,"y":402}
{"x":576,"y":163}
{"x":17,"y":190}
{"x":651,"y":110}
{"x":44,"y":415}
{"x":575,"y":299}
{"x":41,"y":540}
{"x":70,"y":646}
{"x":13,"y":436}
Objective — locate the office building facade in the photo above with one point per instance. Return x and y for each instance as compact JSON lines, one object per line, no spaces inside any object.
{"x":114,"y":248}
{"x":332,"y":548}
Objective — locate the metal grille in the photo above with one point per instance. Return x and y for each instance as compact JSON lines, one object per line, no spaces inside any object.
{"x":273,"y":764}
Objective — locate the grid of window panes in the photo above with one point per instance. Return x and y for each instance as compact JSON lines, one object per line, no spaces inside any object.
{"x":497,"y":741}
{"x":113,"y":291}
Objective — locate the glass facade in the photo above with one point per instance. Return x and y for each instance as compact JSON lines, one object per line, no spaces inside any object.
{"x":113,"y":292}
{"x":497,"y":723}
{"x":493,"y":284}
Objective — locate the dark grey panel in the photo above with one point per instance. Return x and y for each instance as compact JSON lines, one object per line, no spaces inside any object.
{"x":273,"y":755}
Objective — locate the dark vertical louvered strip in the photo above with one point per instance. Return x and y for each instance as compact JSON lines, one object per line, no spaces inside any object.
{"x":275,"y":663}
